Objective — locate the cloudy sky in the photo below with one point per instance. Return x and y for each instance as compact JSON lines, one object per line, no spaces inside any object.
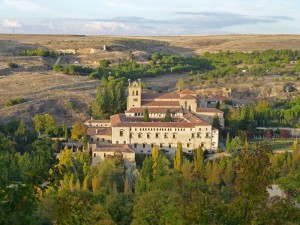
{"x":150,"y":17}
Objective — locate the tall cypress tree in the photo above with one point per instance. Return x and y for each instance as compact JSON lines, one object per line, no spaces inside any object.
{"x":146,"y":115}
{"x":179,"y":157}
{"x":168,"y":117}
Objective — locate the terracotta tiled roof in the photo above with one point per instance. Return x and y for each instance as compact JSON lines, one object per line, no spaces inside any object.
{"x":208,"y":110}
{"x":97,"y":121}
{"x":187,"y":92}
{"x":154,"y":110}
{"x":112,"y":148}
{"x":188,"y":97}
{"x":115,"y":119}
{"x":194,"y":119}
{"x":91,"y":131}
{"x":189,"y":121}
{"x":158,"y":124}
{"x":160,"y":103}
{"x":160,"y":96}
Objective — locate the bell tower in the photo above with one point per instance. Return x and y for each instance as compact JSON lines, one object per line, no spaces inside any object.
{"x":134,"y":94}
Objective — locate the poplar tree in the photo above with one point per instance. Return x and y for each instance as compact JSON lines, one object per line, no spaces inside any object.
{"x":198,"y":160}
{"x":179,"y":157}
{"x":155,"y":155}
{"x":228,"y":144}
{"x":295,"y":146}
{"x":296,"y":156}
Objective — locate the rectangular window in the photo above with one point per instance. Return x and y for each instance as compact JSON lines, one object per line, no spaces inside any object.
{"x":144,"y":145}
{"x":135,"y":145}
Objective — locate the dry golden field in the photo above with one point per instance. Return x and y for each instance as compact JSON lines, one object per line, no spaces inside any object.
{"x":46,"y":91}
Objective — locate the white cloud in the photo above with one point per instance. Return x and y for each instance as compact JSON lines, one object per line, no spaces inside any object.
{"x":11,"y":23}
{"x":23,"y":5}
{"x":103,"y":27}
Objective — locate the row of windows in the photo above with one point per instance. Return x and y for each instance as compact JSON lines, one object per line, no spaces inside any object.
{"x":161,"y":145}
{"x":154,"y":114}
{"x":98,"y":139}
{"x":101,"y":125}
{"x":165,"y":129}
{"x":165,"y":135}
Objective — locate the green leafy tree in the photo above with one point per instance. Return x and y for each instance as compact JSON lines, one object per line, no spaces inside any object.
{"x":78,"y":130}
{"x":216,"y":122}
{"x":146,"y":175}
{"x":120,"y":208}
{"x":157,"y":207}
{"x":39,"y":123}
{"x":50,"y":125}
{"x":253,"y":178}
{"x":100,"y":105}
{"x":104,"y":63}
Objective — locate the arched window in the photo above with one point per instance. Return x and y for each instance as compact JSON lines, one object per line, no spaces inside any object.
{"x":121,"y":133}
{"x":148,"y":135}
{"x":137,"y":92}
{"x":157,"y":135}
{"x":140,"y":135}
{"x":166,"y":135}
{"x":198,"y":135}
{"x":170,"y":145}
{"x":174,"y":135}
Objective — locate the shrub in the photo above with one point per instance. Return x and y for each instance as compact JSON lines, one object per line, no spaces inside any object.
{"x":12,"y":64}
{"x":15,"y":101}
{"x":57,"y":68}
